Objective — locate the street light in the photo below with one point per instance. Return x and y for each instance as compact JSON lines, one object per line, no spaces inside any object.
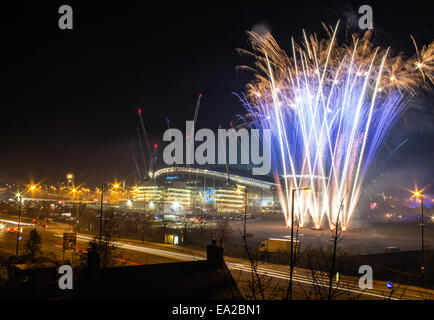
{"x":420,"y":194}
{"x":75,"y":192}
{"x":32,"y":188}
{"x":292,"y":237}
{"x":19,"y":221}
{"x":116,"y":189}
{"x":101,"y":212}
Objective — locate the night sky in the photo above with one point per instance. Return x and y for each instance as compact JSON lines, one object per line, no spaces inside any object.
{"x":69,"y":97}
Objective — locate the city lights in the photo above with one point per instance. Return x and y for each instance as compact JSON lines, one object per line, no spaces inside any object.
{"x":245,"y":152}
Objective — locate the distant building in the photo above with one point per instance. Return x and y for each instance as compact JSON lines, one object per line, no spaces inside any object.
{"x":182,"y":190}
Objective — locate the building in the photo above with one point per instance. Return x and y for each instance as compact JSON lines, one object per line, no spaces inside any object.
{"x":183,"y":190}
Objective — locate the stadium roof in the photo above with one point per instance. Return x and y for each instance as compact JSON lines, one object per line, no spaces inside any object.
{"x":250,"y":182}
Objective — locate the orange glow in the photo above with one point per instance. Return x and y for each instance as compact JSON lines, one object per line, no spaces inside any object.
{"x":417,"y":192}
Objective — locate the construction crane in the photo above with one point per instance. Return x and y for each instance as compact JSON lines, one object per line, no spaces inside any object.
{"x":148,"y":146}
{"x":142,"y":152}
{"x":196,"y":112}
{"x":135,"y":160}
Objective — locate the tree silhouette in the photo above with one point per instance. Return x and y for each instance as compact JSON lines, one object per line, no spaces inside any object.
{"x":33,"y":245}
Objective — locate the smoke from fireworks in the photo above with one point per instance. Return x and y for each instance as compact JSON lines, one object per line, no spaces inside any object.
{"x":329,"y":108}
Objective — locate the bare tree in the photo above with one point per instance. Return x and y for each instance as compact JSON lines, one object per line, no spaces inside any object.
{"x":223,"y":231}
{"x":296,"y":255}
{"x":109,"y":254}
{"x":33,"y":245}
{"x":397,"y":292}
{"x":323,"y":266}
{"x":259,"y":285}
{"x":336,"y":237}
{"x":201,"y":223}
{"x":146,"y":225}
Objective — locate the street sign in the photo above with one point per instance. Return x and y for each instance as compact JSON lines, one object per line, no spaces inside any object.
{"x":69,"y":240}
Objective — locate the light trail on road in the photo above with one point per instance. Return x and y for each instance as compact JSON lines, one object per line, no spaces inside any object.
{"x":16,"y":222}
{"x":158,"y":252}
{"x":244,"y":268}
{"x":298,"y":278}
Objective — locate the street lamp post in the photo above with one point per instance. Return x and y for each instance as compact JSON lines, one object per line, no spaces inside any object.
{"x":245,"y":212}
{"x":74,"y":193}
{"x":421,"y":225}
{"x":116,"y":187}
{"x":19,"y":223}
{"x":77,"y":204}
{"x":417,"y":194}
{"x":78,"y":215}
{"x":144,"y":216}
{"x":291,"y":271}
{"x":100,"y":213}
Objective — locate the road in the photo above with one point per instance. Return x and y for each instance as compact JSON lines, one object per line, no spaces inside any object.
{"x":52,"y":244}
{"x":134,"y":253}
{"x":301,"y":276}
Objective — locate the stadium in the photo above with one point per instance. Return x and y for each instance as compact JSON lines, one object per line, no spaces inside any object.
{"x":193,"y":191}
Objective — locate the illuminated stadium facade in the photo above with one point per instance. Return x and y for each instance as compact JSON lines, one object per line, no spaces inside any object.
{"x":183,"y":190}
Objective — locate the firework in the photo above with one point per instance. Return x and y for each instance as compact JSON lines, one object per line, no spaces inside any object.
{"x":329,"y":108}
